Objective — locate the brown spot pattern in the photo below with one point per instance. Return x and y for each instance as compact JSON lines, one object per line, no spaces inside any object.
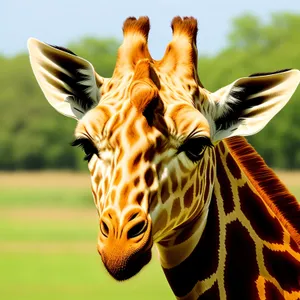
{"x":134,"y":162}
{"x":272,"y":292}
{"x":233,"y":167}
{"x":174,"y":182}
{"x":118,"y":177}
{"x":211,"y":174}
{"x":212,"y":293}
{"x":221,"y":147}
{"x":186,"y":232}
{"x":206,"y":191}
{"x":110,"y":86}
{"x":197,"y":188}
{"x":113,"y":195}
{"x":189,"y":197}
{"x":97,"y":178}
{"x":202,"y":167}
{"x":106,"y":184}
{"x":241,"y":269}
{"x":165,"y":193}
{"x":160,"y":143}
{"x":225,"y":187}
{"x":149,"y":177}
{"x":294,"y":245}
{"x":266,"y":226}
{"x":192,"y":173}
{"x":283,"y":267}
{"x":132,"y":134}
{"x":273,"y":192}
{"x":184,"y":181}
{"x":149,"y":154}
{"x":153,"y":200}
{"x":139,"y":197}
{"x":176,"y":208}
{"x":136,"y":181}
{"x":124,"y":196}
{"x":202,"y":262}
{"x":161,"y":221}
{"x":183,"y":168}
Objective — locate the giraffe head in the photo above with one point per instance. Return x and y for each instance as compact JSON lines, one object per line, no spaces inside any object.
{"x":149,"y":134}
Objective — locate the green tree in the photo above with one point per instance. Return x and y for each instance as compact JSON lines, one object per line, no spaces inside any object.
{"x":101,"y":53}
{"x":246,"y":32}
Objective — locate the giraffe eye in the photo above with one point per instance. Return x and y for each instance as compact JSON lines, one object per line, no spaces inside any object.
{"x":194,"y":147}
{"x":87,"y":146}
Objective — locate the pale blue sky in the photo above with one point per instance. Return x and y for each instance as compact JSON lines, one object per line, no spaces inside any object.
{"x":61,"y":21}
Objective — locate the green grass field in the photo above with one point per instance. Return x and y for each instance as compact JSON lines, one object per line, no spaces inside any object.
{"x":48,"y":237}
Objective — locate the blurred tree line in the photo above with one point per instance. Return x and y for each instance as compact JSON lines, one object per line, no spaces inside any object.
{"x":34,"y":136}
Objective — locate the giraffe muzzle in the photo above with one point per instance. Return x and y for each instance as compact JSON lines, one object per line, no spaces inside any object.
{"x":125,"y":245}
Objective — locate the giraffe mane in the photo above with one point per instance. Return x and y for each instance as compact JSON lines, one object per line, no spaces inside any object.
{"x":268,"y":185}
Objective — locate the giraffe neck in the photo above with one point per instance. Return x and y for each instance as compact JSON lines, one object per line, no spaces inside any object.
{"x":248,"y":249}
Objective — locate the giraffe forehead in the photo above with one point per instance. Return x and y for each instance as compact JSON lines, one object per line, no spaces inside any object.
{"x":117,"y":115}
{"x":185,"y":120}
{"x":125,"y":127}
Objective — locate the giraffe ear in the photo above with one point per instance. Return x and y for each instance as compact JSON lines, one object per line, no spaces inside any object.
{"x":248,"y":104}
{"x":69,"y":83}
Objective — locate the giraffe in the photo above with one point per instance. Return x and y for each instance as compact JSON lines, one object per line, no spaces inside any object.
{"x":170,"y":166}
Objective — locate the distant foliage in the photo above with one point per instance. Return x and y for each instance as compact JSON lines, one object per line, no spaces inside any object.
{"x":33,"y":136}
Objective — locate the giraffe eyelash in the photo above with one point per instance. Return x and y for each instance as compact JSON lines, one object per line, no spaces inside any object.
{"x":87,"y":146}
{"x":194,"y":147}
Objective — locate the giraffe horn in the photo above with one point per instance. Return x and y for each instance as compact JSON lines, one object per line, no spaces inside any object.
{"x":181,"y":54}
{"x":134,"y":46}
{"x":187,"y":27}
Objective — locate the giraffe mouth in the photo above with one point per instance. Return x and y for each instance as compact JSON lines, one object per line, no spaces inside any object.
{"x":121,"y":266}
{"x":130,"y":267}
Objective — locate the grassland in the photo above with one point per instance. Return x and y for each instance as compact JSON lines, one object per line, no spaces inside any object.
{"x":48,"y":232}
{"x":48,"y":237}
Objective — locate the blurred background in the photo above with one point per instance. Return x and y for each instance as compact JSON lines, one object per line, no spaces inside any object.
{"x":48,"y":223}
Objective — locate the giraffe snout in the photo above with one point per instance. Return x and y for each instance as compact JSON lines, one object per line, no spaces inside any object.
{"x":125,"y":242}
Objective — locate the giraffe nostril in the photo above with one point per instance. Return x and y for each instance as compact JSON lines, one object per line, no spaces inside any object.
{"x":133,"y":216}
{"x":137,"y":229}
{"x":104,"y":229}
